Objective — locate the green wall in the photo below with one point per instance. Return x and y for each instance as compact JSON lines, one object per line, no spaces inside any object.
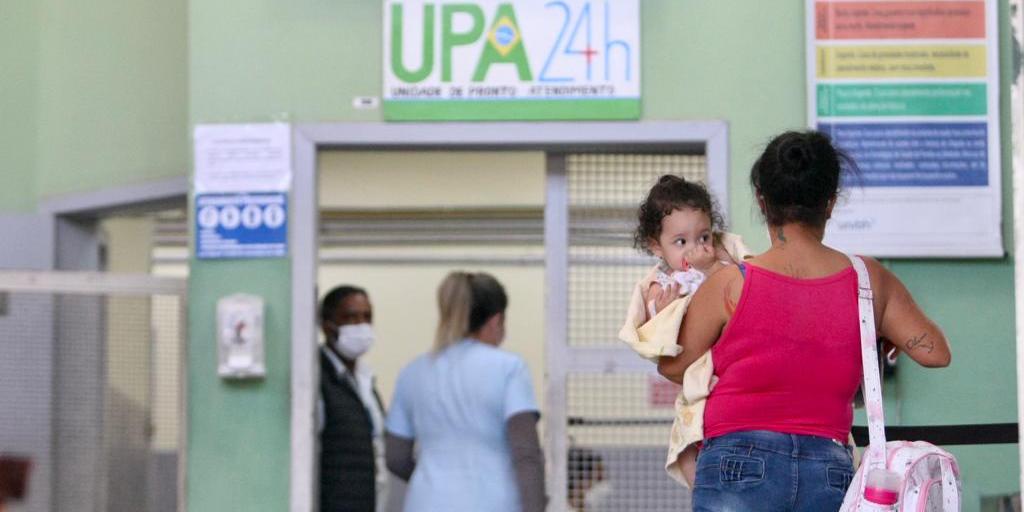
{"x":92,"y":95}
{"x":112,"y":105}
{"x":258,"y":60}
{"x":238,"y":442}
{"x":19,"y":53}
{"x":278,"y":60}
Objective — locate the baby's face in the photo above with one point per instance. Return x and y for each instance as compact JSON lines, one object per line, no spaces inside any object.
{"x":681,"y":232}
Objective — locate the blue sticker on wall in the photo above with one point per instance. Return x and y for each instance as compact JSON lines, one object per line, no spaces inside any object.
{"x":241,"y":225}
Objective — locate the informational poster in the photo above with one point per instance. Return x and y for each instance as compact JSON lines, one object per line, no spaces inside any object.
{"x":241,"y":225}
{"x":910,"y":90}
{"x":241,"y":181}
{"x":511,"y":60}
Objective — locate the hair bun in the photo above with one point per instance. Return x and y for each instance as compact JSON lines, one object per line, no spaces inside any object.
{"x":796,"y":156}
{"x":797,"y":175}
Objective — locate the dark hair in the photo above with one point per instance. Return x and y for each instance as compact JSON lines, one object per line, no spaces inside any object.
{"x":672,"y":193}
{"x":335,"y":297}
{"x":466,"y":302}
{"x":797,"y":175}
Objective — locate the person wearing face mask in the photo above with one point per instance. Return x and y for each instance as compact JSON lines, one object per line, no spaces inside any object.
{"x":470,"y":408}
{"x":349,"y":412}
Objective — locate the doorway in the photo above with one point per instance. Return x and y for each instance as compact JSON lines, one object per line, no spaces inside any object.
{"x":564,"y":243}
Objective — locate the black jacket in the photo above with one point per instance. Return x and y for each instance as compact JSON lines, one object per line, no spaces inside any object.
{"x":347,"y":470}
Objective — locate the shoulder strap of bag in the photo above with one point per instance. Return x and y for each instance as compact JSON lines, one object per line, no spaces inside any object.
{"x":875,"y":457}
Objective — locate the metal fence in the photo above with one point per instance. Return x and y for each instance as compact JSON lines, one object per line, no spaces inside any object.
{"x":617,"y":416}
{"x":92,"y":392}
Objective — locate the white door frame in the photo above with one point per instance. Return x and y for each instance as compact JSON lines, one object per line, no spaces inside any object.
{"x":556,"y":139}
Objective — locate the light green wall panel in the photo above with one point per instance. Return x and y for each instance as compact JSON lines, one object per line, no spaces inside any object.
{"x":281,"y":60}
{"x":19,"y":55}
{"x":238,"y":445}
{"x":974,"y":304}
{"x":111,"y":103}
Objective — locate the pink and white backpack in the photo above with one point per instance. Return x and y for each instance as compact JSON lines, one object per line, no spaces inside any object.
{"x":930,"y":475}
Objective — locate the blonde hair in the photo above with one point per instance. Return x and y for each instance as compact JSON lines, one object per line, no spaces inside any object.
{"x":454,"y":303}
{"x":465,"y":302}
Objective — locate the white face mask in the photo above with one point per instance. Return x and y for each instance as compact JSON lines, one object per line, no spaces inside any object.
{"x":354,"y":340}
{"x":597,"y":495}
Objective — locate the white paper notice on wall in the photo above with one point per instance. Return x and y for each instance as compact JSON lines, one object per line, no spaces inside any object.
{"x":242,"y":157}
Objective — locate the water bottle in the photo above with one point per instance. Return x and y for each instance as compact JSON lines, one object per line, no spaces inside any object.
{"x":882,"y":490}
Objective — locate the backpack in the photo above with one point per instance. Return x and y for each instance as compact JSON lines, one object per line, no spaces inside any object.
{"x":930,"y":475}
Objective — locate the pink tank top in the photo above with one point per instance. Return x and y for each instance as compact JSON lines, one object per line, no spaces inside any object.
{"x":789,"y":359}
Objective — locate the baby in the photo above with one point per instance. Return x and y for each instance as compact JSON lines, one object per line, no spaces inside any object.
{"x":678,"y":222}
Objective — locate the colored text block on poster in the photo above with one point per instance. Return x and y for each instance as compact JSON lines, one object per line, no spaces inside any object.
{"x":914,"y":154}
{"x":901,"y":61}
{"x":900,"y":20}
{"x":921,"y":99}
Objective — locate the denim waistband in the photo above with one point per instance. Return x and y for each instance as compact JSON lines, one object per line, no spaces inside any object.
{"x":794,"y":445}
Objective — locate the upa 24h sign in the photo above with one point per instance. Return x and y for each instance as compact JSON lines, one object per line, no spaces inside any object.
{"x":511,"y":60}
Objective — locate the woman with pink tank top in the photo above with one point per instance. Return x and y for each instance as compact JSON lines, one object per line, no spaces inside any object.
{"x":783,"y":333}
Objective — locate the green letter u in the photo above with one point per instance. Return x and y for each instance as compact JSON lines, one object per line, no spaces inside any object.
{"x":427,"y":61}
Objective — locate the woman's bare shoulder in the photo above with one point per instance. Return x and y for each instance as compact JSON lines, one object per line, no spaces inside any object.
{"x":880,"y":275}
{"x":725,"y":275}
{"x":723,"y":289}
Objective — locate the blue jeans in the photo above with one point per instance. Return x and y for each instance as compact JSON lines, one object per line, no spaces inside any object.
{"x":768,"y":471}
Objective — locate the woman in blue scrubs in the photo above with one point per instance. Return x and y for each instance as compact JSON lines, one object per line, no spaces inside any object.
{"x":470,"y":408}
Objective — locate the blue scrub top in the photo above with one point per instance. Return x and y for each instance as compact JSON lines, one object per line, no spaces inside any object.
{"x":455,"y":404}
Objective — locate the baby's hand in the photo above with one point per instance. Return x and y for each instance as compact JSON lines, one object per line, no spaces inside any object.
{"x":662,"y":297}
{"x":702,"y":258}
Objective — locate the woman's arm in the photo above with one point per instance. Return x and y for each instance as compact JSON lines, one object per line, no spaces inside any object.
{"x":398,"y":455}
{"x":708,"y":313}
{"x":528,"y":460}
{"x":901,"y":321}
